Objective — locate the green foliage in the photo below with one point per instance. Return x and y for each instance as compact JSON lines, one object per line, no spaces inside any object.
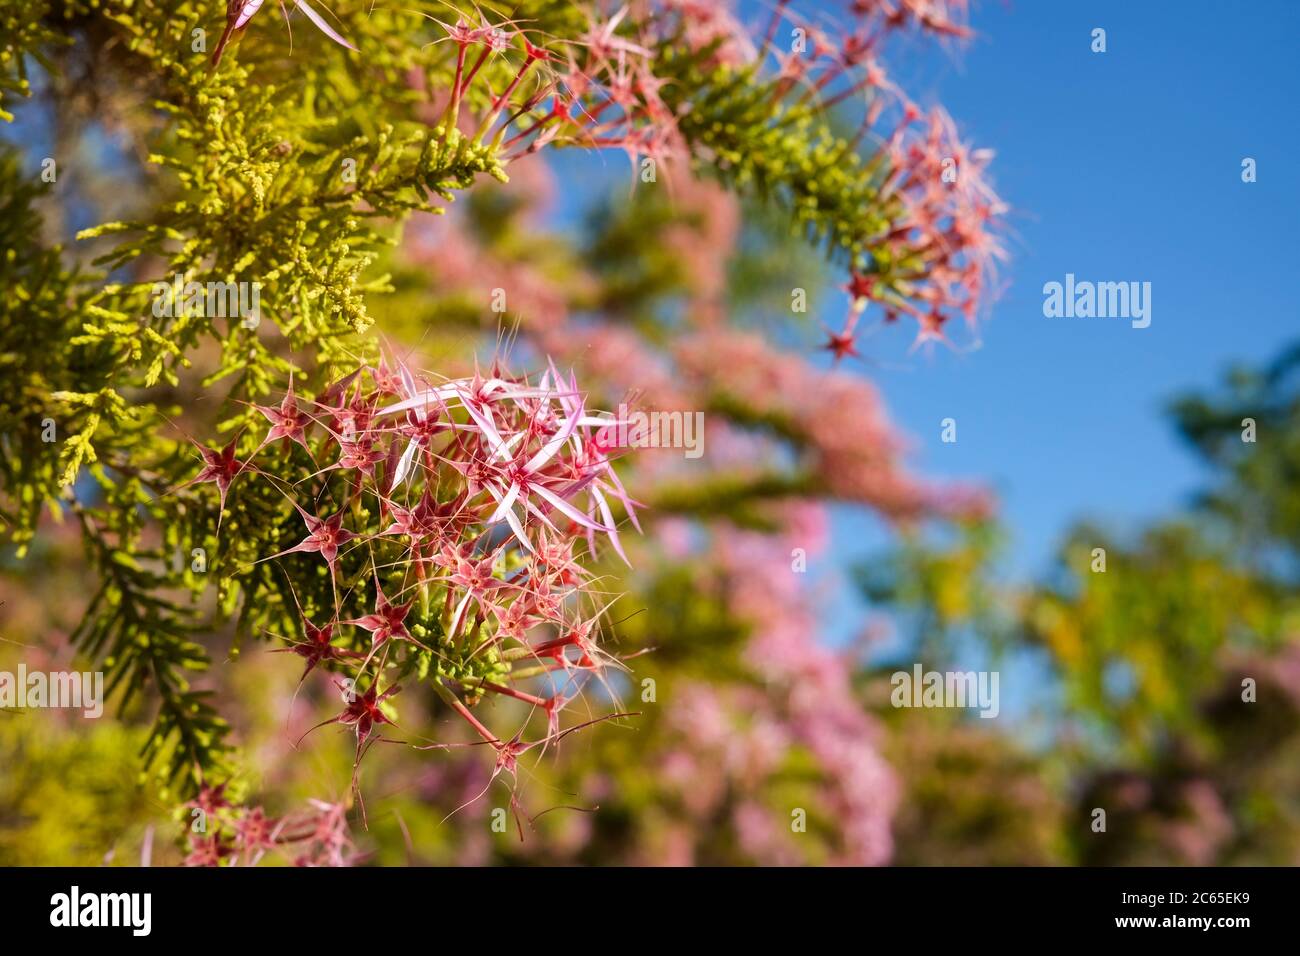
{"x":1262,"y":405}
{"x":49,"y":823}
{"x":35,"y":318}
{"x":973,"y":797}
{"x":1138,"y":644}
{"x":26,"y":32}
{"x":782,"y":149}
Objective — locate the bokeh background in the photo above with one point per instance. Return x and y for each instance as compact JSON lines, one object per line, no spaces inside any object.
{"x":1120,"y":690}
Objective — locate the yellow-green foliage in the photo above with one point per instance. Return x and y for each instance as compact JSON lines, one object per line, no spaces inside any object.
{"x":68,"y":794}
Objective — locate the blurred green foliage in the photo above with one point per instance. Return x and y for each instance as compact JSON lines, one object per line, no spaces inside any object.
{"x":1165,"y":661}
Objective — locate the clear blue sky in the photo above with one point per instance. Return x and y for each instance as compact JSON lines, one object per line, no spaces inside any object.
{"x":1123,"y":165}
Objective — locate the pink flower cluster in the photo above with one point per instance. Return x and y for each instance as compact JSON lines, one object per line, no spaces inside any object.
{"x":458,"y":504}
{"x":219,"y":833}
{"x":946,"y":234}
{"x":945,"y":225}
{"x":838,"y":421}
{"x":600,"y":94}
{"x":733,"y":741}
